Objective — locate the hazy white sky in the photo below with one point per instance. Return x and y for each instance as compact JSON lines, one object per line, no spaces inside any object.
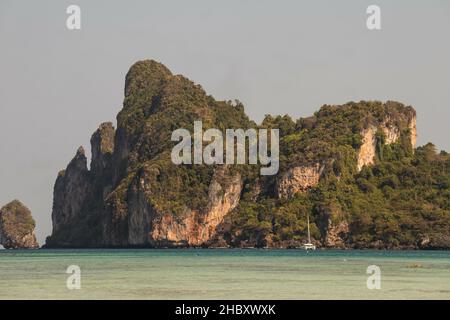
{"x":277,"y":57}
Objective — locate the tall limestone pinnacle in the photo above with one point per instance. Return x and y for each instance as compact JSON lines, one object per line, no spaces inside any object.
{"x":17,"y":227}
{"x":102,"y":142}
{"x":352,"y":168}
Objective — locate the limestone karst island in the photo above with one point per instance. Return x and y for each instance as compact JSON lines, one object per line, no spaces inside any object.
{"x":17,"y":227}
{"x":354,"y":169}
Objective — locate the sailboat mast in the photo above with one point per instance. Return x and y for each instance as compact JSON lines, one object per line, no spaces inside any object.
{"x":309,"y":235}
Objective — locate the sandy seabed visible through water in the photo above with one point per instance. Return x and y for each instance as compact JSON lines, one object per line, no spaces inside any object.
{"x":224,"y":274}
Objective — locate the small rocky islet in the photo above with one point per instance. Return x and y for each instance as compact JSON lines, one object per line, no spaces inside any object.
{"x":17,"y":227}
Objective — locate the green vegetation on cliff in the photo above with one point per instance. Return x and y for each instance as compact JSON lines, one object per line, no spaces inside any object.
{"x":353,"y":169}
{"x":401,"y":200}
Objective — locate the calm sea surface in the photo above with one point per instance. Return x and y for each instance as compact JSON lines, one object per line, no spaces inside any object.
{"x":224,"y":274}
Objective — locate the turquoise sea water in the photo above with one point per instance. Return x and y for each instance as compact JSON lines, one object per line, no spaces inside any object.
{"x":224,"y":274}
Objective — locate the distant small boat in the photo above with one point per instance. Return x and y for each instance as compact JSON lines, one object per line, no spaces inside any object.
{"x":309,"y":245}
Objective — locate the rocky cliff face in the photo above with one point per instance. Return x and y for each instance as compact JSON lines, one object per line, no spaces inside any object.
{"x":102,"y":142}
{"x":299,"y":179}
{"x":147,"y":225}
{"x":366,"y":154}
{"x":17,"y":227}
{"x":392,"y":127}
{"x":133,"y":195}
{"x":72,"y":187}
{"x":197,"y":227}
{"x":79,"y":193}
{"x":350,"y":167}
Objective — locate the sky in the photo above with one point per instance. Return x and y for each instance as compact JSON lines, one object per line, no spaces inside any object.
{"x":277,"y":57}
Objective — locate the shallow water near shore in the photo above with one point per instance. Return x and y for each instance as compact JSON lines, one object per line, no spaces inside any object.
{"x":224,"y":274}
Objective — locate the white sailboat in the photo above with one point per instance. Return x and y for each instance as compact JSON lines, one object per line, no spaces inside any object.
{"x":309,"y":245}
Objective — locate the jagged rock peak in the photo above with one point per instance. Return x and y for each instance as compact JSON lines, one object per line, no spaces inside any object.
{"x":78,"y":162}
{"x":144,"y":80}
{"x":17,"y":227}
{"x":80,"y":152}
{"x":102,"y":146}
{"x":105,"y":135}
